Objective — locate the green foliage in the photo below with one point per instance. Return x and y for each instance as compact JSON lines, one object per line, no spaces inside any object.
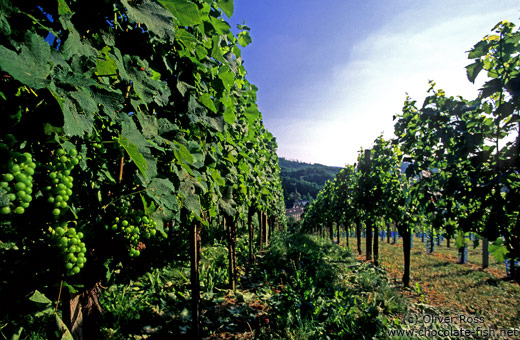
{"x":146,"y":106}
{"x":324,"y":293}
{"x":498,"y":250}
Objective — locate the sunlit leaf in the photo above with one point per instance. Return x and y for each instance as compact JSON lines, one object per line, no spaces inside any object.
{"x":208,"y":102}
{"x":39,"y":298}
{"x":252,"y":114}
{"x":229,"y":115}
{"x":186,"y":13}
{"x":498,"y":250}
{"x":227,"y":77}
{"x":244,"y":38}
{"x":63,"y":8}
{"x":227,"y":7}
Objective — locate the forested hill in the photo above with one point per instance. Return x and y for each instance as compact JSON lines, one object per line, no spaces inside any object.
{"x":308,"y":179}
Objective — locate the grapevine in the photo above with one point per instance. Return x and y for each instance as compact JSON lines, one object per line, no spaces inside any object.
{"x":123,"y":91}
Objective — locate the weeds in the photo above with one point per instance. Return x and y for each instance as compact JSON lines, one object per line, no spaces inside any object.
{"x":301,"y":288}
{"x":326,"y":294}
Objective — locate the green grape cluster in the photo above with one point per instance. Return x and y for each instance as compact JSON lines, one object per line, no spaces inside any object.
{"x":61,"y":182}
{"x":71,"y":246}
{"x":134,"y":229}
{"x":17,"y":181}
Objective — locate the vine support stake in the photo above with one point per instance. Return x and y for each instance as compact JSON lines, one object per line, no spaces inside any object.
{"x":121,"y":167}
{"x":195,"y":282}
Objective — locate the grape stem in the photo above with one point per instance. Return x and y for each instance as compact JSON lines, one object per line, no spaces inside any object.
{"x":130,"y":194}
{"x":59,"y":297}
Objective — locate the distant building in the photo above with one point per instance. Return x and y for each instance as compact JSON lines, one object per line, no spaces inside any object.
{"x":297,"y":209}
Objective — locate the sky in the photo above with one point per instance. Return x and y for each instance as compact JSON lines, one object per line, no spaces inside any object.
{"x":331,"y":74}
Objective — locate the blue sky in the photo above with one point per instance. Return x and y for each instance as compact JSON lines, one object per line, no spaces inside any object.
{"x":332,"y":73}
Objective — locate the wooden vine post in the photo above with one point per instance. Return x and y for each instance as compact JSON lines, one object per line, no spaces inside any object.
{"x":368,"y":225}
{"x":266,"y":230}
{"x":406,"y":234}
{"x":376,"y":244}
{"x":358,"y":235}
{"x":195,"y":280}
{"x":232,"y":256}
{"x":261,"y":230}
{"x":485,"y":252}
{"x":251,"y":233}
{"x":347,"y":234}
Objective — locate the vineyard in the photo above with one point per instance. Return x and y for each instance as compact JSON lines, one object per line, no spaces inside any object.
{"x":140,"y":192}
{"x":453,"y":167}
{"x":132,"y":137}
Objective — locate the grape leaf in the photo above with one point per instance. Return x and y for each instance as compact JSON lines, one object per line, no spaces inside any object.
{"x":39,"y":298}
{"x":147,"y":88}
{"x":31,"y":66}
{"x":156,"y":18}
{"x":75,"y":123}
{"x":186,"y":38}
{"x":63,"y":8}
{"x":498,"y":250}
{"x":220,"y":26}
{"x":244,"y":38}
{"x":182,"y":154}
{"x":5,"y":28}
{"x":106,"y":66}
{"x":473,"y":70}
{"x":206,"y":100}
{"x":186,"y":13}
{"x":134,"y":154}
{"x":227,"y":7}
{"x":63,"y":328}
{"x":191,"y":202}
{"x":227,"y":77}
{"x":229,"y":115}
{"x":480,"y":49}
{"x":252,"y":114}
{"x":164,"y":193}
{"x":148,"y":125}
{"x":74,"y":45}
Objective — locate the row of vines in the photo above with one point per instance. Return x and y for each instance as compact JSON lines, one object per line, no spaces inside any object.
{"x":452,"y":168}
{"x":129,"y":128}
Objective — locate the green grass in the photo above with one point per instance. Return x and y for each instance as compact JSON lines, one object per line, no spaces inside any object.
{"x":300,"y":288}
{"x":326,"y":293}
{"x":443,"y":287}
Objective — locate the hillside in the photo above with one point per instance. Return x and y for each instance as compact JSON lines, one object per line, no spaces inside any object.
{"x":307,"y":178}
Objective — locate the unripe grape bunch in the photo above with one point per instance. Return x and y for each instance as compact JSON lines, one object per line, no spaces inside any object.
{"x":59,"y":169}
{"x":71,"y":247}
{"x":134,"y":229}
{"x":17,"y":181}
